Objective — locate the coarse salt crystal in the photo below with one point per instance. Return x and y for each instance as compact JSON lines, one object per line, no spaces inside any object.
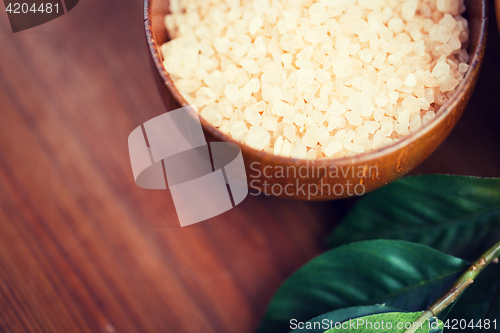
{"x":279,"y":108}
{"x":387,"y":126}
{"x":448,"y":21}
{"x":353,"y":118}
{"x":322,"y":76}
{"x":335,"y":122}
{"x":287,"y":58}
{"x":410,"y":80}
{"x":300,"y":119}
{"x":417,"y":35}
{"x":322,"y":134}
{"x":428,"y":117}
{"x":429,"y":81}
{"x":286,"y":150}
{"x":396,"y":25}
{"x":299,"y":149}
{"x":441,"y":69}
{"x":448,"y":6}
{"x":393,"y":97}
{"x":366,"y":55}
{"x":354,"y":147}
{"x":342,"y":68}
{"x":211,"y":114}
{"x":252,"y":117}
{"x":408,"y":9}
{"x":320,"y":104}
{"x":226,"y":109}
{"x":305,"y":75}
{"x":275,"y":94}
{"x":206,"y":49}
{"x":288,"y":114}
{"x":394,"y":83}
{"x":270,"y":123}
{"x":238,"y":128}
{"x":331,"y":3}
{"x":252,"y":86}
{"x":463,"y":67}
{"x":304,"y":64}
{"x":290,"y":132}
{"x":311,"y":154}
{"x":424,"y":103}
{"x":278,"y":144}
{"x":379,"y":60}
{"x":337,"y":108}
{"x":360,"y":82}
{"x":286,"y":43}
{"x":231,"y":73}
{"x":205,"y":96}
{"x":310,"y":139}
{"x":255,"y":25}
{"x":415,"y":123}
{"x":225,"y":127}
{"x":242,"y":79}
{"x":378,"y":114}
{"x":332,"y":148}
{"x":232,"y":93}
{"x":369,"y":4}
{"x":250,"y":65}
{"x":188,"y":86}
{"x":371,"y":127}
{"x":361,"y":104}
{"x":440,"y":33}
{"x":222,"y":44}
{"x":411,"y":104}
{"x":381,"y":101}
{"x":447,"y":83}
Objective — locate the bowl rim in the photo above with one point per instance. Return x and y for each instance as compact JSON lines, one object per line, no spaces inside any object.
{"x":471,"y":76}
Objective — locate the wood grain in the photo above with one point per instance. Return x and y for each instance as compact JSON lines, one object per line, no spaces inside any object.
{"x":83,"y":249}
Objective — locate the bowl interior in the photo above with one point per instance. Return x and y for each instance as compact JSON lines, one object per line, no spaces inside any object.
{"x":476,"y":14}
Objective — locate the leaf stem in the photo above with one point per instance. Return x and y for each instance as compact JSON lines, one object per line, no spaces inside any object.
{"x":464,"y":281}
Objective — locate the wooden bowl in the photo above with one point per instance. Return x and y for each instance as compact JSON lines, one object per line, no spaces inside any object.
{"x":332,"y":178}
{"x":497,"y":9}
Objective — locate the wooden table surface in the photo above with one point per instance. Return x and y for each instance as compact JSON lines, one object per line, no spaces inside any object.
{"x":83,"y":249}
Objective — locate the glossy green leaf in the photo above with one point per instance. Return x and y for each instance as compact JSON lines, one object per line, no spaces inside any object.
{"x":400,"y":274}
{"x":323,"y":322}
{"x":394,"y":322}
{"x":481,"y":301}
{"x":456,"y":215}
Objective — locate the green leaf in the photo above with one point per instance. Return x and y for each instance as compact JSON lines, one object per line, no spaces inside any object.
{"x":317,"y":325}
{"x":479,"y":302}
{"x":400,"y":274}
{"x":456,"y":215}
{"x":393,"y":322}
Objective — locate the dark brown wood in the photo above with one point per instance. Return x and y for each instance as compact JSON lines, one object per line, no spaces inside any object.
{"x":83,"y":249}
{"x":335,"y":177}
